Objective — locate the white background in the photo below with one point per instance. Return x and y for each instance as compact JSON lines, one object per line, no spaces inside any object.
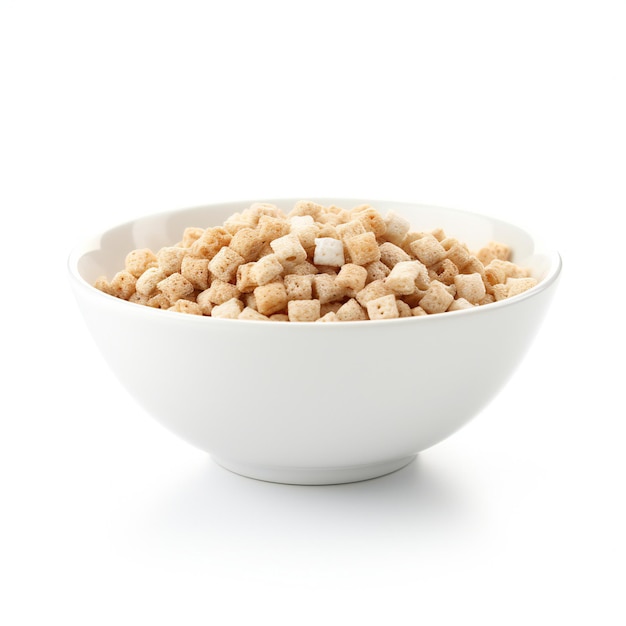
{"x":118,"y":109}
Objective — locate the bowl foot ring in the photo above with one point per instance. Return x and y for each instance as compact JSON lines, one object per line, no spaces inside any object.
{"x":315,"y":476}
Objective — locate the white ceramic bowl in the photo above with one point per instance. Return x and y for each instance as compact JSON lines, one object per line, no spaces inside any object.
{"x":311,"y":403}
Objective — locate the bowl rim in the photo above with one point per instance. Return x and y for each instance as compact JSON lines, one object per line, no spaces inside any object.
{"x":90,"y":243}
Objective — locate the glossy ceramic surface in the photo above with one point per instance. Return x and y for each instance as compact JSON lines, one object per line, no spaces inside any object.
{"x":311,"y":403}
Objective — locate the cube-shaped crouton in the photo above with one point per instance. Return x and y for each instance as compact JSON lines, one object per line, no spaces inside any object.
{"x":372,"y":220}
{"x":245,"y":282}
{"x":230,"y":309}
{"x":363,"y":249}
{"x":225,"y":263}
{"x":436,"y":299}
{"x":186,"y":306}
{"x":397,"y":227}
{"x":351,"y":311}
{"x":247,"y":242}
{"x":220,"y":291}
{"x":459,"y":304}
{"x":373,"y":290}
{"x":428,"y":250}
{"x":122,"y":285}
{"x":470,"y":287}
{"x":138,"y":261}
{"x":331,"y":316}
{"x":271,"y":298}
{"x":289,"y":250}
{"x":252,"y":314}
{"x":390,"y":254}
{"x":456,"y":252}
{"x":326,"y":289}
{"x":210,"y":243}
{"x":196,"y":271}
{"x":271,"y":228}
{"x":444,"y":271}
{"x":383,"y":308}
{"x":266,"y":269}
{"x":401,"y":279}
{"x":174,"y":287}
{"x":303,"y":310}
{"x":190,"y":235}
{"x":519,"y":285}
{"x":299,"y":287}
{"x":170,"y":258}
{"x":350,"y":229}
{"x":352,"y":276}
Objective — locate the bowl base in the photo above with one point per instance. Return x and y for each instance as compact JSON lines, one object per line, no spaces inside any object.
{"x":312,"y":475}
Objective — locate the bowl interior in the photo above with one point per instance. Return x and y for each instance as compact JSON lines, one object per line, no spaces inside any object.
{"x":105,"y":255}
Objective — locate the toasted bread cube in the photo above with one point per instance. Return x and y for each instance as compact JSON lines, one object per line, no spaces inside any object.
{"x":147,"y":283}
{"x":444,"y":271}
{"x":373,"y":290}
{"x":249,"y":313}
{"x":376,"y":270}
{"x":350,"y":229}
{"x":170,"y":258}
{"x":303,"y":310}
{"x":351,"y":311}
{"x":331,"y":316}
{"x":363,"y":249}
{"x":428,"y":250}
{"x":175,"y":287}
{"x":203,"y":300}
{"x":191,"y":234}
{"x":158,"y":301}
{"x":247,"y":242}
{"x":210,"y":243}
{"x":266,"y":269}
{"x":401,"y":279}
{"x":271,"y":228}
{"x":122,"y":285}
{"x":271,"y":298}
{"x":225,"y":263}
{"x":289,"y":250}
{"x":470,"y":287}
{"x":220,"y":291}
{"x":103,"y":285}
{"x":397,"y":227}
{"x":196,"y":271}
{"x":500,"y":291}
{"x":404,"y":310}
{"x":474,"y":265}
{"x":390,"y":254}
{"x":230,"y":309}
{"x":186,"y":306}
{"x":299,"y":287}
{"x":326,"y":289}
{"x":519,"y":285}
{"x":351,"y":277}
{"x":278,"y":317}
{"x":436,"y":299}
{"x":245,"y":281}
{"x":372,"y":220}
{"x":459,"y":304}
{"x":306,"y":207}
{"x":493,"y":250}
{"x":456,"y":252}
{"x":383,"y":308}
{"x":138,"y":261}
{"x":303,"y":269}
